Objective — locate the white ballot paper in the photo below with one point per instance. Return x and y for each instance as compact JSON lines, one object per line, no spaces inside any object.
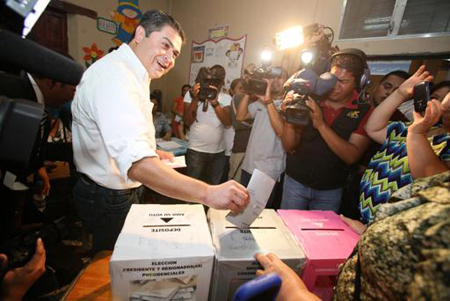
{"x":178,"y":162}
{"x":259,"y":188}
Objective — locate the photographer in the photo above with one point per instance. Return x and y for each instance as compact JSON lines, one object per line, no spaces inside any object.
{"x":207,"y":118}
{"x":264,"y":149}
{"x":319,"y":154}
{"x":17,"y":281}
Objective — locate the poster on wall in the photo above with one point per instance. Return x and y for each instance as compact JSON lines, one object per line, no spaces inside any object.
{"x":127,"y":16}
{"x":226,"y":52}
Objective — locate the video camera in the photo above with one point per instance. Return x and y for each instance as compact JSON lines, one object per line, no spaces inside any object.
{"x":317,"y":56}
{"x":306,"y":83}
{"x":256,"y":83}
{"x":207,"y":78}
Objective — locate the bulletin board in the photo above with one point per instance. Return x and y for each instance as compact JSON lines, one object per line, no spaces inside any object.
{"x":227,"y":52}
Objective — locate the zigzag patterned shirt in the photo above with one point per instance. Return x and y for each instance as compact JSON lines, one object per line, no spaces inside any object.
{"x":388,"y":169}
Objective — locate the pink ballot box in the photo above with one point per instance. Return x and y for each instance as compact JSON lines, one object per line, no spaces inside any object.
{"x":325,"y":239}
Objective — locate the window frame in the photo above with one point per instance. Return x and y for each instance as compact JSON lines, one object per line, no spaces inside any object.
{"x":396,"y":18}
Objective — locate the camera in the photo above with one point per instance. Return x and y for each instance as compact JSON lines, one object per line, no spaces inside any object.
{"x":256,"y":83}
{"x":421,"y":96}
{"x":318,"y":55}
{"x":206,"y":78}
{"x":306,"y":83}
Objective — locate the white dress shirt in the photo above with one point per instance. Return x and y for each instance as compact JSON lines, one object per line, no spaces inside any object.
{"x":112,"y":119}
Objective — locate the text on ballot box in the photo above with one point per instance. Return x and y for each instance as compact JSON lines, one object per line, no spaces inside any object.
{"x":164,"y":252}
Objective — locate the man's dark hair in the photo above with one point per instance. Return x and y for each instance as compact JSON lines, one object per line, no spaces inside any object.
{"x":443,"y":84}
{"x":400,"y":73}
{"x":218,"y":71}
{"x":350,"y":62}
{"x":186,"y":85}
{"x":155,"y":20}
{"x":235,"y":82}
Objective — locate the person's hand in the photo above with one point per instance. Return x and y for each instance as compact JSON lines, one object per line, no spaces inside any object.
{"x":194,"y":90}
{"x":407,"y":87}
{"x":46,"y":189}
{"x":266,"y":98}
{"x":445,"y":108}
{"x":214,"y":102}
{"x":19,"y":280}
{"x":165,"y":155}
{"x":292,"y":287}
{"x":42,"y":172}
{"x":167,"y":136}
{"x":355,"y":225}
{"x":316,"y":113}
{"x":287,"y":100}
{"x":422,"y":124}
{"x":229,"y":195}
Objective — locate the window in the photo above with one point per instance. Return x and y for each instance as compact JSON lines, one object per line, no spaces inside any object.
{"x":393,"y":18}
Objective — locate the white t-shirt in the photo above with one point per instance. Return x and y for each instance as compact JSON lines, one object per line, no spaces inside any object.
{"x":112,"y":119}
{"x":207,"y":132}
{"x":264,"y":150}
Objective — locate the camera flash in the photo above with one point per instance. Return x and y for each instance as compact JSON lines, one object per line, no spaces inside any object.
{"x":266,"y":56}
{"x":307,"y":57}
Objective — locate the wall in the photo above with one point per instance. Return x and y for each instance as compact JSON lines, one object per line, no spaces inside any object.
{"x":82,"y":31}
{"x":259,"y":19}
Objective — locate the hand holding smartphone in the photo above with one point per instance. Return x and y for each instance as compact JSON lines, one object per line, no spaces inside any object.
{"x":421,"y":96}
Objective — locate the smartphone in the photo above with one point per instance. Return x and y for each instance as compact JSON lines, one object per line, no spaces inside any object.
{"x":262,"y":288}
{"x":421,"y":96}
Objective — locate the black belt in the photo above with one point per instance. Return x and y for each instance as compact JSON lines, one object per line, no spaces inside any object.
{"x":89,"y":181}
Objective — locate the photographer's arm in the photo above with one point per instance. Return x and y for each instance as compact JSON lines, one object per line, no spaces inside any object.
{"x":291,"y":136}
{"x":223,"y":113}
{"x":422,"y":160}
{"x":242,"y":113}
{"x":376,"y":126}
{"x":276,"y":121}
{"x":348,"y":151}
{"x":190,"y":109}
{"x":275,"y":118}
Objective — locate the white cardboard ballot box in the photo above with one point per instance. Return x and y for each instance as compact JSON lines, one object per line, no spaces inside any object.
{"x":164,"y":252}
{"x":235,"y":250}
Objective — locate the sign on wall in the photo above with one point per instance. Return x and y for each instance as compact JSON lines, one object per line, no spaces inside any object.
{"x":226,"y":52}
{"x":218,"y":32}
{"x":106,"y":25}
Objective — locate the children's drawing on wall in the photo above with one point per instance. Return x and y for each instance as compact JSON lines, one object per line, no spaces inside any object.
{"x":127,"y":15}
{"x":227,"y":52}
{"x":92,"y":54}
{"x":234,"y":53}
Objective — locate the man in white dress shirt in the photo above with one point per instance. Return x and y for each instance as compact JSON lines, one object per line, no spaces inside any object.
{"x":114,"y":137}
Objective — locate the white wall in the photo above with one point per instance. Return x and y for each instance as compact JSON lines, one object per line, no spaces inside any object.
{"x":259,"y":19}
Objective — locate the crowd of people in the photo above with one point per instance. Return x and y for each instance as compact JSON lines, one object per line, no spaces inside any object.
{"x":378,"y":156}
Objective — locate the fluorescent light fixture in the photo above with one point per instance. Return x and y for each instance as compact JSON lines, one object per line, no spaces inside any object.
{"x":289,"y":38}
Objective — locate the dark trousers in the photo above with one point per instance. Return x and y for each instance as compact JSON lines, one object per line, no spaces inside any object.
{"x":103,"y":210}
{"x":205,"y":166}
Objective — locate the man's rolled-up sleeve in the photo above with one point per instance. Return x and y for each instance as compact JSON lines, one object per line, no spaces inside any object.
{"x":121,"y":114}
